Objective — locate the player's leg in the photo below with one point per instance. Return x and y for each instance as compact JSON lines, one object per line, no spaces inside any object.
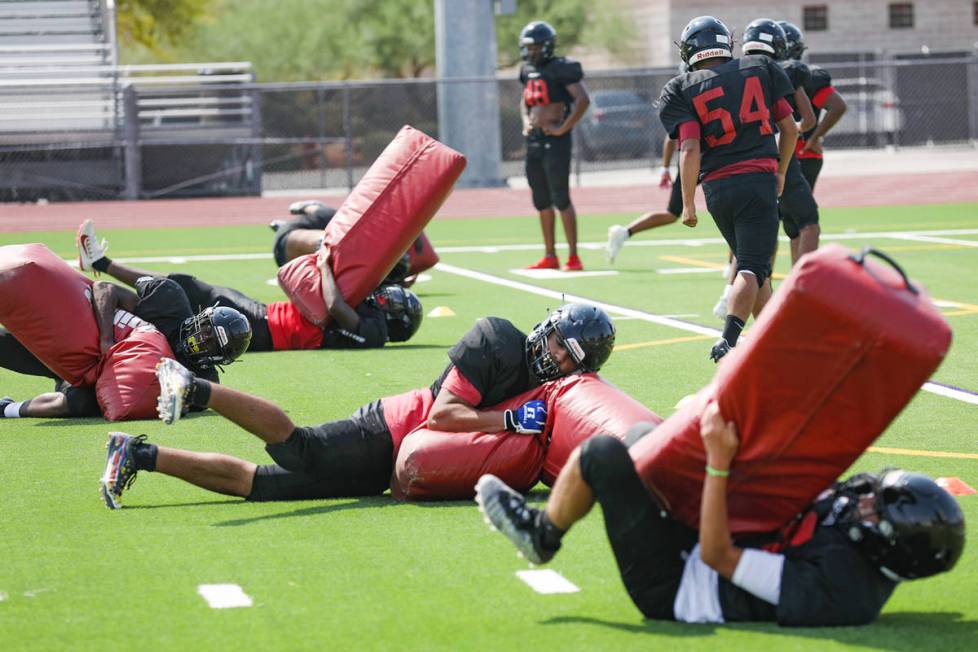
{"x":799,"y":211}
{"x":16,"y":357}
{"x":557,"y":161}
{"x":617,"y":234}
{"x":203,"y":295}
{"x":536,"y":177}
{"x":811,"y":168}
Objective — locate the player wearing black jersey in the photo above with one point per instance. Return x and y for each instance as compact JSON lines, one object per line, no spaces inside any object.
{"x":389,"y":314}
{"x":837,"y":563}
{"x":828,"y":104}
{"x":723,"y":114}
{"x":554,"y":100}
{"x":494,"y":361}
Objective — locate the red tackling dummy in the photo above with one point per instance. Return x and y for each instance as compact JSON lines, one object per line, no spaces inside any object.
{"x":46,"y":305}
{"x":377,"y":222}
{"x":127,"y":386}
{"x":583,"y":405}
{"x":838,"y":352}
{"x":422,"y":255}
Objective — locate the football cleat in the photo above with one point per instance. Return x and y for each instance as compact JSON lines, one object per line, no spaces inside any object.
{"x":175,"y":383}
{"x":547,"y":262}
{"x":120,"y":470}
{"x":573,"y":264}
{"x":720,"y":349}
{"x":617,"y":234}
{"x":506,"y":511}
{"x":89,"y":248}
{"x":275,"y":225}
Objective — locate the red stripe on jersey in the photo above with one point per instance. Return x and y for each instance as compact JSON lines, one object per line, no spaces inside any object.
{"x":689,"y":130}
{"x":823,"y":94}
{"x":800,"y":154}
{"x":290,"y":330}
{"x":781,"y":109}
{"x":750,"y":166}
{"x":461,"y":387}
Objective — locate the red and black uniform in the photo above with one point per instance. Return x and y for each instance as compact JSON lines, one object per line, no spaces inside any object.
{"x":161,"y":303}
{"x":279,"y":326}
{"x":823,"y":578}
{"x":731,"y":109}
{"x":355,"y":456}
{"x":316,"y":221}
{"x":796,"y":206}
{"x":818,"y":87}
{"x":548,"y":157}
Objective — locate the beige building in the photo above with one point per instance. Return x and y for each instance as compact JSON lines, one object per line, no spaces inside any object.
{"x":829,"y":25}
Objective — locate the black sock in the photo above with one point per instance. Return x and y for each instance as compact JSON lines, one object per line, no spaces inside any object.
{"x":102,"y":264}
{"x":731,"y":330}
{"x":550,"y":534}
{"x":200,"y":393}
{"x":144,"y":456}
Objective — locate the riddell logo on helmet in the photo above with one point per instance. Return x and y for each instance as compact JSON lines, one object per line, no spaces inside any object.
{"x":709,"y":54}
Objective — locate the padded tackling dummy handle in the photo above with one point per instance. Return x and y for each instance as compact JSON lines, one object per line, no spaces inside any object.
{"x":377,"y":222}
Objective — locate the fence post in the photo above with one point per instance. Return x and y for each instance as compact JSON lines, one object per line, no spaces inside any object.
{"x":133,"y":156}
{"x":257,"y":164}
{"x":348,"y":134}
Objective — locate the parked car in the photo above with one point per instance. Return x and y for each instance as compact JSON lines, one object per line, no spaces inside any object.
{"x":873,"y":109}
{"x":619,"y":123}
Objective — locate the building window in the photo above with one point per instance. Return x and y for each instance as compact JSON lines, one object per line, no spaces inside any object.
{"x":901,"y":15}
{"x":815,"y":18}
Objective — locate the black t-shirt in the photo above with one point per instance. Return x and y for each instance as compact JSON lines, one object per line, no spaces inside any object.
{"x":164,"y":304}
{"x":818,"y":79}
{"x":799,"y":74}
{"x":372,"y":330}
{"x":825,"y":581}
{"x":491,"y":356}
{"x":733,"y":103}
{"x":547,"y":84}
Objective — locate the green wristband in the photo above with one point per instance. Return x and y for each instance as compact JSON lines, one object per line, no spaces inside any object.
{"x":716,"y":473}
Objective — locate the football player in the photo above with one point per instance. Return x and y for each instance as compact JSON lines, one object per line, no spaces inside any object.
{"x":494,"y":361}
{"x":215,"y":336}
{"x":837,"y":563}
{"x":554,"y":100}
{"x":389,"y":314}
{"x":823,"y":98}
{"x":722,"y":113}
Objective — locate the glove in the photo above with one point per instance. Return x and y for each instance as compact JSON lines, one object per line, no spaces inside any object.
{"x":528,"y":419}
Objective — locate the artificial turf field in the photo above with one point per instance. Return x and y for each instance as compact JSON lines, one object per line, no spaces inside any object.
{"x":376,"y":574}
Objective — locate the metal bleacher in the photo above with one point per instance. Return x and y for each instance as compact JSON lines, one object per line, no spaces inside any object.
{"x":62,"y":90}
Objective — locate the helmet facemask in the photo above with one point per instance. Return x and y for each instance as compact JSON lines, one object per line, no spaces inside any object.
{"x":216,"y":336}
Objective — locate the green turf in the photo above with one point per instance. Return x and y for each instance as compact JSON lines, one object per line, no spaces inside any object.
{"x":375,"y":574}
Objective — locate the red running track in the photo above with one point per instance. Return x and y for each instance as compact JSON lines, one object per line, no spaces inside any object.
{"x":867,"y":190}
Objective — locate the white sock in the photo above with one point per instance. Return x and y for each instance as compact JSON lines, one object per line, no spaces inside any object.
{"x":12,"y":411}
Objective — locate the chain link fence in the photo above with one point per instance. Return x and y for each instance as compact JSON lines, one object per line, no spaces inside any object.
{"x":241,"y":138}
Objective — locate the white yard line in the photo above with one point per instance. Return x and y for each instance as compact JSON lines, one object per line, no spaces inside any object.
{"x":547,"y":581}
{"x":224,"y":596}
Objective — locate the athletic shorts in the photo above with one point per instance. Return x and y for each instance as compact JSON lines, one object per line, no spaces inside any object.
{"x":348,"y":457}
{"x":203,"y":295}
{"x":548,"y":160}
{"x":317,"y":221}
{"x":811,"y":168}
{"x":745,"y":209}
{"x":796,"y":205}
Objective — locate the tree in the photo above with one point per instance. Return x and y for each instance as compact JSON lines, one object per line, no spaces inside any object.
{"x":159,"y":24}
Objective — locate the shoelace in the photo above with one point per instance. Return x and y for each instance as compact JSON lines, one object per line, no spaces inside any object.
{"x":127,"y":470}
{"x":522,"y":513}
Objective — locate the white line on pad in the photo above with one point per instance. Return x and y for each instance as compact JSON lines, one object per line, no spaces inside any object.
{"x":547,"y":581}
{"x":224,"y":596}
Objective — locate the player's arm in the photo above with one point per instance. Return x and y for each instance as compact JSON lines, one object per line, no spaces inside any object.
{"x":452,"y":413}
{"x":668,"y":148}
{"x":106,"y":299}
{"x":805,"y":110}
{"x":579,"y":104}
{"x":834,"y":106}
{"x":786,"y":139}
{"x":689,"y":168}
{"x":525,"y":116}
{"x":343,"y":315}
{"x":720,"y":441}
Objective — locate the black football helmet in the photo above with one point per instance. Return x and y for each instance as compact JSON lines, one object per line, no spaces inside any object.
{"x":795,"y":42}
{"x":402,"y":311}
{"x":764,"y":36}
{"x":920,"y":531}
{"x":704,"y":38}
{"x":585,"y":331}
{"x":214,"y":336}
{"x":540,"y":33}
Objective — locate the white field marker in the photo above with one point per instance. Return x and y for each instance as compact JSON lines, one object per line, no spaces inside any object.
{"x":547,"y":581}
{"x":224,"y":596}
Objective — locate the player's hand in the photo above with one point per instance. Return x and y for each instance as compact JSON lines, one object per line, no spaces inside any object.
{"x":527,"y":129}
{"x":689,"y":216}
{"x":528,"y":419}
{"x":780,"y":184}
{"x":719,"y":437}
{"x":814,"y":146}
{"x":665,"y":178}
{"x":322,"y":257}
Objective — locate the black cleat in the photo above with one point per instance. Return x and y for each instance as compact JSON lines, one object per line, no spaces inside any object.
{"x":720,"y":349}
{"x":120,"y":468}
{"x":507,"y":511}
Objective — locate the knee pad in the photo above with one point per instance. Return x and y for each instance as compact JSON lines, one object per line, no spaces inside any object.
{"x":602,"y":459}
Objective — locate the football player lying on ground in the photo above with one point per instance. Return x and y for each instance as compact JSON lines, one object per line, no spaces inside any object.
{"x":494,"y":361}
{"x":390,"y":313}
{"x":836,"y":564}
{"x":212,"y":337}
{"x":302,"y":233}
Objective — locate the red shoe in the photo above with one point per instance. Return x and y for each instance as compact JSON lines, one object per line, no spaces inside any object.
{"x":547,"y":262}
{"x":573,"y":264}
